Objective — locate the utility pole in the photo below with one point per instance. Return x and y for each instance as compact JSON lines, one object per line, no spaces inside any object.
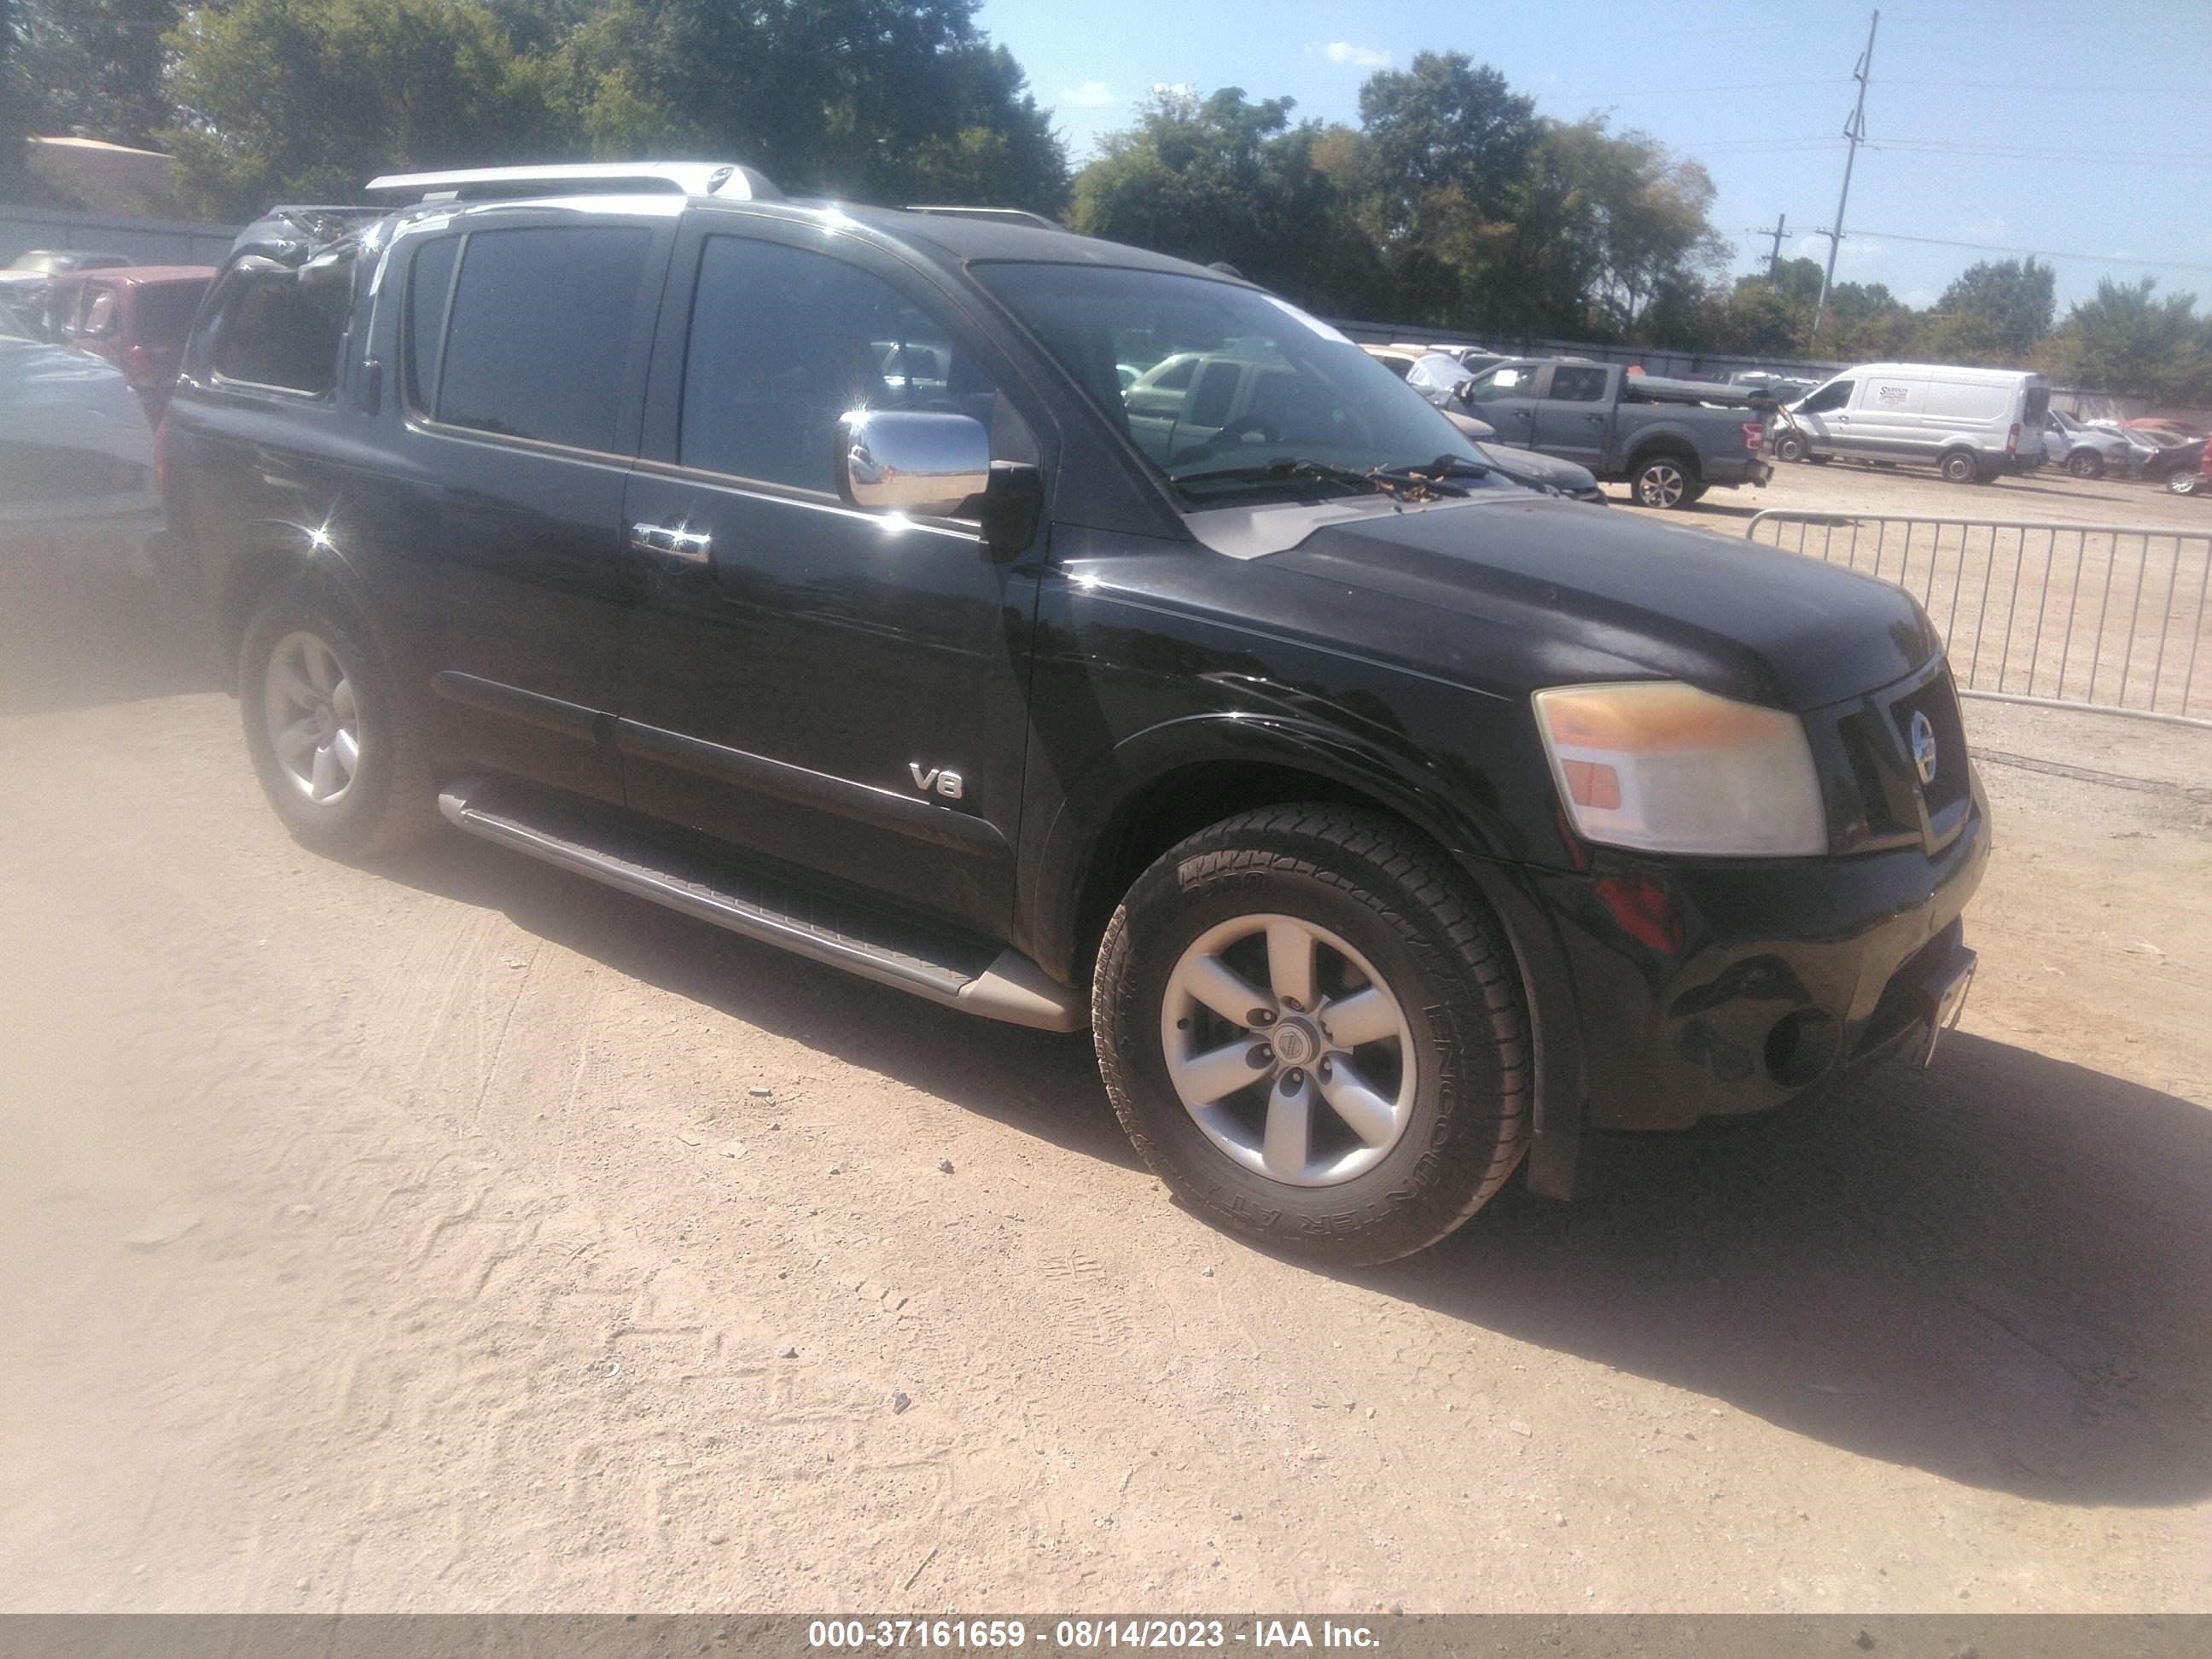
{"x":1854,"y":129}
{"x":1774,"y":259}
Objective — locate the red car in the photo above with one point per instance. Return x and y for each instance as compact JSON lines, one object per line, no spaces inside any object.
{"x":135,"y":316}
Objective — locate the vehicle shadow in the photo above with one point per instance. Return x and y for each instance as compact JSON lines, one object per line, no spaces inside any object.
{"x":1997,"y":1271}
{"x":1040,"y":1082}
{"x":77,"y":637}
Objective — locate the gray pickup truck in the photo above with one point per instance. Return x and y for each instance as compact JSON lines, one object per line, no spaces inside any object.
{"x":1671,"y":440}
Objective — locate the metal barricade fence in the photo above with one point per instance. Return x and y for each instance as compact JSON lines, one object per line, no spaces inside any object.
{"x":2105,"y":616}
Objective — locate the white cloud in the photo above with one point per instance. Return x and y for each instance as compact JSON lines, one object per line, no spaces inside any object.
{"x":1343,"y":51}
{"x":1091,"y":94}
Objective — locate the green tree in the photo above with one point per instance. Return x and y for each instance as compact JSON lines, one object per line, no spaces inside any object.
{"x":885,"y":100}
{"x":1636,"y":214}
{"x":94,"y":67}
{"x":308,"y":99}
{"x":2127,"y":340}
{"x":1446,"y":177}
{"x":1220,"y":178}
{"x":1866,"y":324}
{"x":1997,"y":312}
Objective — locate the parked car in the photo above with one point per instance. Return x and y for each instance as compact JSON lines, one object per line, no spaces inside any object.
{"x":136,"y":318}
{"x":1388,"y":825}
{"x":2084,"y":451}
{"x":1399,"y":360}
{"x":2195,"y":483}
{"x":1525,"y":466}
{"x":76,"y":455}
{"x":1968,"y":424}
{"x":23,"y":276}
{"x":1783,"y":388}
{"x":1671,"y":440}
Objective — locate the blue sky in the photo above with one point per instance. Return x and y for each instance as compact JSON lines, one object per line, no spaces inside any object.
{"x":2076,"y":129}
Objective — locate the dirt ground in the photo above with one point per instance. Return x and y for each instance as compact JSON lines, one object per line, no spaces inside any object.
{"x":459,"y":1235}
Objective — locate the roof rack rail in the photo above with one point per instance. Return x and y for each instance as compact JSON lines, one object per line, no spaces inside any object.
{"x":728,"y":179}
{"x":1004,"y":215}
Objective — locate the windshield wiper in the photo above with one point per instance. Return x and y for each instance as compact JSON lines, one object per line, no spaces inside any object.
{"x":1400,"y":482}
{"x":1444,"y":466}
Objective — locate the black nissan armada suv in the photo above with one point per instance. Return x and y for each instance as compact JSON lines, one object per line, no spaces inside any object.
{"x":803,"y":568}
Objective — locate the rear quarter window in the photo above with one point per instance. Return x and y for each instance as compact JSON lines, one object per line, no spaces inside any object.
{"x":537,"y":339}
{"x":282,"y":328}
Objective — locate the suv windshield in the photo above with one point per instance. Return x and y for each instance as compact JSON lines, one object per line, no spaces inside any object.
{"x":1222,"y":388}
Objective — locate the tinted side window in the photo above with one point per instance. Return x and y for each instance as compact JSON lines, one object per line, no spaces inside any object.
{"x":1832,"y":396}
{"x":1577,"y":385}
{"x":430,"y":286}
{"x":1502,"y":382}
{"x":1177,"y":376}
{"x":283,"y":328}
{"x":783,"y":341}
{"x":1217,"y":390}
{"x":540,"y":330}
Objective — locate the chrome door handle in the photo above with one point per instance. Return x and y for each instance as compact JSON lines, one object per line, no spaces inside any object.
{"x":685,"y":546}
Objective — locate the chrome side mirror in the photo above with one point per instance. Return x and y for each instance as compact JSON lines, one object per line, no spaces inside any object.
{"x":889,"y":461}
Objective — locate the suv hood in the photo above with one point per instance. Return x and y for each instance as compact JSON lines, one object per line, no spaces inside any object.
{"x":1517,"y":591}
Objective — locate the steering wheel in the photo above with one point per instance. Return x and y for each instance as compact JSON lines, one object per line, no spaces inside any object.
{"x":1252,"y":426}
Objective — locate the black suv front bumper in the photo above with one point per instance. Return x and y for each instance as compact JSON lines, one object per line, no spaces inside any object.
{"x":1720,"y":988}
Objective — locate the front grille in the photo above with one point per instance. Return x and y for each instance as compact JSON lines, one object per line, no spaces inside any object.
{"x":1939,"y":701}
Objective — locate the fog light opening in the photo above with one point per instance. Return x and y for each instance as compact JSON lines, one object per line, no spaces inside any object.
{"x":1800,"y":1048}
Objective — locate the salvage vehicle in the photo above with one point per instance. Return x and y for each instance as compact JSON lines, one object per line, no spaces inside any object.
{"x":2086,"y":452}
{"x":76,"y":456}
{"x":1388,"y":825}
{"x":1971,"y":425}
{"x":1671,"y":440}
{"x":136,"y":318}
{"x":26,"y":275}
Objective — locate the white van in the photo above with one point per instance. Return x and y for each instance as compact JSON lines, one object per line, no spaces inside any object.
{"x":1971,"y":424}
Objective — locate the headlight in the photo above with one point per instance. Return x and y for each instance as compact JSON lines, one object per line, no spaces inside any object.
{"x":1665,"y":768}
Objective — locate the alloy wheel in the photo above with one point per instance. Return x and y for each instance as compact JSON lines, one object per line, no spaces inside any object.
{"x":1660,"y":485}
{"x":1289,"y":1050}
{"x":314,"y":720}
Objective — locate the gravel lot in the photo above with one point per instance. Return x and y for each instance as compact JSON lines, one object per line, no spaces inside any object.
{"x":459,"y":1234}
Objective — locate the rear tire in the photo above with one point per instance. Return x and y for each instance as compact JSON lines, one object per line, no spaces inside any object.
{"x":1960,"y":466}
{"x":1376,"y":1091}
{"x":2086,"y":464}
{"x":1664,"y":481}
{"x":337,"y":757}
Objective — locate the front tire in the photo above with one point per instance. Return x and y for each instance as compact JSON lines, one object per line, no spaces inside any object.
{"x":2086,"y":464}
{"x":337,"y":756}
{"x":1313,"y":1032}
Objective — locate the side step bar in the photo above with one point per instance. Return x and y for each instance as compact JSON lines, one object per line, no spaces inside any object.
{"x":1008,"y":986}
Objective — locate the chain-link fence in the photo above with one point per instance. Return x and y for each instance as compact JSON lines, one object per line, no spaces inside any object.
{"x":2109,"y":617}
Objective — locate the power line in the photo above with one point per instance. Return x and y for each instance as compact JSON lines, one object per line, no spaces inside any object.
{"x":2053,"y":86}
{"x":2032,"y":253}
{"x":2021,"y":152}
